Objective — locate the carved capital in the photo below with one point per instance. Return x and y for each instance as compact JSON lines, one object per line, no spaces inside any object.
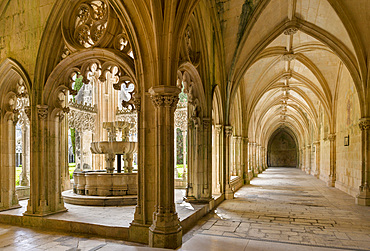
{"x":316,"y":143}
{"x":364,"y":124}
{"x":137,"y":103}
{"x":218,"y":129}
{"x":166,"y":96}
{"x":42,"y":111}
{"x":206,"y":123}
{"x":229,"y":131}
{"x":246,"y":140}
{"x":331,"y":137}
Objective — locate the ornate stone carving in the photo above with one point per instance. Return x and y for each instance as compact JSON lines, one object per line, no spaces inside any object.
{"x":42,"y":111}
{"x":218,"y":129}
{"x":229,"y":131}
{"x":364,"y":124}
{"x":181,"y":118}
{"x":27,"y":111}
{"x":137,"y":103}
{"x":80,"y":120}
{"x":331,"y":137}
{"x":290,"y":31}
{"x":168,"y":100}
{"x":288,"y":56}
{"x":206,"y":123}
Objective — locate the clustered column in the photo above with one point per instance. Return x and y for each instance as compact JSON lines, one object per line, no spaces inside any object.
{"x":332,"y":175}
{"x":317,"y":157}
{"x":166,"y":230}
{"x":229,"y":194}
{"x":363,"y":198}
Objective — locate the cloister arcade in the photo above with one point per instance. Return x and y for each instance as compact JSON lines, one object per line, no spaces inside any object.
{"x":224,"y":92}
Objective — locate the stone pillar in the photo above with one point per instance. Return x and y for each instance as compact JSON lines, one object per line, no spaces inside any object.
{"x":45,"y":183}
{"x":254,"y":159}
{"x":250,"y":168}
{"x":184,"y":156}
{"x":23,"y":177}
{"x":145,"y":202}
{"x":217,"y":165}
{"x":259,"y":158}
{"x":308,"y":167}
{"x":165,"y":231}
{"x":332,"y":175}
{"x":303,"y":158}
{"x":363,"y":198}
{"x":317,"y":159}
{"x":229,"y":194}
{"x":8,"y":197}
{"x":175,"y":154}
{"x":233,"y":155}
{"x":245,"y":160}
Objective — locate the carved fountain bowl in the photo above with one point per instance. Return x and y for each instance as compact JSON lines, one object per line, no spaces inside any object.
{"x":115,"y":147}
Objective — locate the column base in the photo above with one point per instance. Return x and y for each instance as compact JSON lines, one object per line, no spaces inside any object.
{"x":363,"y":198}
{"x":192,"y":199}
{"x":166,"y":231}
{"x":139,"y":233}
{"x":331,"y":181}
{"x":44,"y":213}
{"x":10,"y":208}
{"x":229,"y":194}
{"x":165,"y":240}
{"x":43,"y":210}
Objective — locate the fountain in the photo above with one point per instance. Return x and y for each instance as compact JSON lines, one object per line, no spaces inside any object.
{"x":108,"y":187}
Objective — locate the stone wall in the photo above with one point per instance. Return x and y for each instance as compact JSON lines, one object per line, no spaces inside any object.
{"x":21,"y":29}
{"x":348,"y":158}
{"x":283,"y":151}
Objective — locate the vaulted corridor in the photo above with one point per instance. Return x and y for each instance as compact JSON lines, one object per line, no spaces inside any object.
{"x":284,"y":205}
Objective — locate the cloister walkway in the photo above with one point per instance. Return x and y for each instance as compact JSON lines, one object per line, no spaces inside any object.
{"x":281,"y":206}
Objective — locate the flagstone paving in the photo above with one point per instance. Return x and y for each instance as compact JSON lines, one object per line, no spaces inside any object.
{"x":286,"y":205}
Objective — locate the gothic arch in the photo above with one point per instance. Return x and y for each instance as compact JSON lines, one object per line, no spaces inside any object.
{"x":14,"y":85}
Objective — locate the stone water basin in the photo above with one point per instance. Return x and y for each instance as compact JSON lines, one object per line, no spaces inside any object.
{"x":115,"y":147}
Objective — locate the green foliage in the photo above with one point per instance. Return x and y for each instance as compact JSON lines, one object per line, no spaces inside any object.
{"x":73,"y":140}
{"x":72,"y":167}
{"x":183,"y":97}
{"x":78,"y":85}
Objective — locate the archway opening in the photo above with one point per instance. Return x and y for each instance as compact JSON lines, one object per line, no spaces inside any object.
{"x":282,"y":150}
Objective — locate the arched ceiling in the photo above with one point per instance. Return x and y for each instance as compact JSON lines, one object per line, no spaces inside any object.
{"x":286,"y":63}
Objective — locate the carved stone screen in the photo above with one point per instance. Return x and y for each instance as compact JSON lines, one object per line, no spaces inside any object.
{"x":282,"y":150}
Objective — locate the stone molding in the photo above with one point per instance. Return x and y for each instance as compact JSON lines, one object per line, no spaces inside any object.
{"x":290,"y":31}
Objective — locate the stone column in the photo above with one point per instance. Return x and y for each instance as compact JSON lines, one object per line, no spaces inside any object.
{"x":245,"y":160}
{"x":332,"y":175}
{"x":250,"y":168}
{"x":23,"y":177}
{"x":308,"y":167}
{"x":317,"y":158}
{"x":217,"y":165}
{"x":229,"y":194}
{"x":45,"y":183}
{"x":8,"y":197}
{"x":184,"y":155}
{"x":175,"y":153}
{"x":233,"y":155}
{"x":254,"y":157}
{"x":259,"y":158}
{"x":165,"y":230}
{"x":303,"y":158}
{"x":363,"y":198}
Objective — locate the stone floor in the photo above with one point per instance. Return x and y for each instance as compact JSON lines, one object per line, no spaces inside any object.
{"x":285,"y":205}
{"x":282,"y":209}
{"x":117,"y":216}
